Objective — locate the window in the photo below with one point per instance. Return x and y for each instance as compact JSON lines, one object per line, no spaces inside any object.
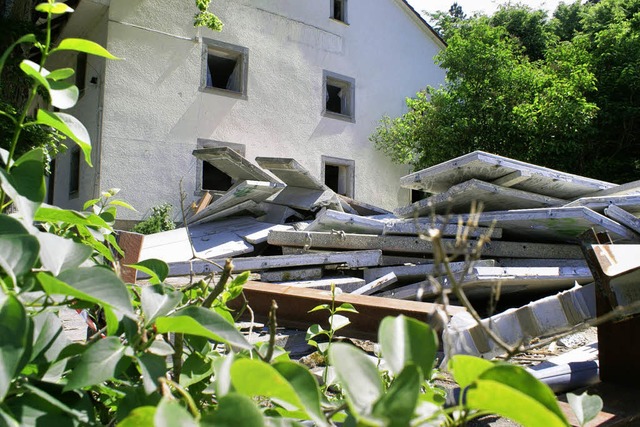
{"x":81,"y":71}
{"x":339,"y":96}
{"x":209,"y":177}
{"x":225,"y":68}
{"x":339,"y":175}
{"x":74,"y":172}
{"x":339,"y":10}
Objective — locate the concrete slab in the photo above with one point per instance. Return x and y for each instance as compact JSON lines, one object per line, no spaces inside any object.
{"x":630,"y":203}
{"x":353,"y":259}
{"x":295,"y":274}
{"x":623,"y":217}
{"x":240,"y":192}
{"x":459,"y":199}
{"x":416,"y":226}
{"x":307,"y":199}
{"x":377,"y":285}
{"x":418,"y":272}
{"x":363,"y":208}
{"x":345,"y":284}
{"x":248,"y":207}
{"x":329,"y":219}
{"x":405,"y":244}
{"x":278,"y":214}
{"x":562,"y":224}
{"x":233,"y":164}
{"x":628,"y":189}
{"x":490,"y":167}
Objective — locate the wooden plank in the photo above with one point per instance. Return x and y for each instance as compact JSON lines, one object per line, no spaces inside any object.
{"x":377,"y":285}
{"x":353,"y":259}
{"x":489,"y":167}
{"x":294,"y":305}
{"x":203,"y":202}
{"x":562,"y":224}
{"x":512,"y":179}
{"x":131,"y":244}
{"x":459,"y":199}
{"x":405,"y":244}
{"x":233,"y":164}
{"x":240,"y":192}
{"x":629,"y":203}
{"x":623,"y":217}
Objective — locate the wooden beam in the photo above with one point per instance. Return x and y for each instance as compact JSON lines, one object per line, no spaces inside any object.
{"x":294,"y":305}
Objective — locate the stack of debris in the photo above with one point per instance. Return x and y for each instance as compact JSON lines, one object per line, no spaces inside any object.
{"x":281,"y":222}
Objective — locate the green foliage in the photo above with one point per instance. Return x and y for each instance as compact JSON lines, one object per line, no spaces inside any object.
{"x":204,"y":18}
{"x":159,"y":220}
{"x":174,"y":357}
{"x":561,"y":93}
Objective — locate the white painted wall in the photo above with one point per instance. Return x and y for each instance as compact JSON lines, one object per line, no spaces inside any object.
{"x":154,"y":111}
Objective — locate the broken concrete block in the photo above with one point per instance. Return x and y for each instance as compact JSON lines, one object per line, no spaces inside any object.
{"x":489,"y":167}
{"x":419,"y":226}
{"x":328,"y":219}
{"x":296,"y":274}
{"x":461,"y":197}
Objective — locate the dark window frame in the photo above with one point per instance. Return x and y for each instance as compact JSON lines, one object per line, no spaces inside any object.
{"x":346,"y":168}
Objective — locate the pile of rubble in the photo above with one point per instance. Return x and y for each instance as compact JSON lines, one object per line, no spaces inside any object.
{"x":279,"y":221}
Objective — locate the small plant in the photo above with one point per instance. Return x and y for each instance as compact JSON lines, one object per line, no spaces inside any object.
{"x":160,"y":220}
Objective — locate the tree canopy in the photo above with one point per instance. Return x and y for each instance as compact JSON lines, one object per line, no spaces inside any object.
{"x":559,"y":92}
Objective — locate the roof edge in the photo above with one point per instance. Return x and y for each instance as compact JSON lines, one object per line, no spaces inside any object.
{"x":416,"y":15}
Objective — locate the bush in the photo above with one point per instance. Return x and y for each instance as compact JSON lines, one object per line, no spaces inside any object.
{"x":160,"y":220}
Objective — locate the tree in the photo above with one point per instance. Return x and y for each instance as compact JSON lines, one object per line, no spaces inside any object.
{"x":527,"y":25}
{"x":496,"y":99}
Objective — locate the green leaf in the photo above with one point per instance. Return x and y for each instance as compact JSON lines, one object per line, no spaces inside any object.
{"x":338,"y":322}
{"x":157,"y":269}
{"x":27,"y":175}
{"x":122,"y":204}
{"x":348,"y":307}
{"x":234,"y":410}
{"x":18,"y":249}
{"x":60,"y":74}
{"x":405,"y":340}
{"x":54,"y":9}
{"x":68,"y":126}
{"x":97,"y":364}
{"x":222,"y":370}
{"x":34,"y":71}
{"x":94,"y":284}
{"x":305,"y":386}
{"x":398,"y":404}
{"x":466,"y":369}
{"x":153,"y":368}
{"x":512,"y":392}
{"x":49,"y":338}
{"x":54,"y":214}
{"x":58,"y":254}
{"x":64,"y":95}
{"x":195,"y":369}
{"x":171,"y":414}
{"x":161,"y":348}
{"x":28,"y":38}
{"x":320,"y":307}
{"x":253,"y":377}
{"x":585,"y":407}
{"x":6,"y":420}
{"x":86,"y":46}
{"x":358,"y":375}
{"x":315,"y":330}
{"x":14,"y":330}
{"x":24,"y":206}
{"x":204,"y":323}
{"x":141,"y":416}
{"x":158,"y":300}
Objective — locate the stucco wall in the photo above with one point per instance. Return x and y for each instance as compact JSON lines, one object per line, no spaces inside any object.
{"x":154,"y":111}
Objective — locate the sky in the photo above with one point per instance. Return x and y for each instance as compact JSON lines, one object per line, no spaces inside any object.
{"x":486,"y":6}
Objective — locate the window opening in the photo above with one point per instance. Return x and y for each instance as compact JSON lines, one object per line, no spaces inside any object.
{"x":339,"y":95}
{"x":417,"y":195}
{"x":339,"y":10}
{"x":225,"y":67}
{"x":74,"y":172}
{"x":339,"y":175}
{"x":214,"y":179}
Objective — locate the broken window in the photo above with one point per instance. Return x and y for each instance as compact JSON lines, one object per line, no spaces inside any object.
{"x":226,"y":67}
{"x":209,"y":177}
{"x":339,"y":175}
{"x":339,"y":96}
{"x":339,"y":10}
{"x":74,"y":172}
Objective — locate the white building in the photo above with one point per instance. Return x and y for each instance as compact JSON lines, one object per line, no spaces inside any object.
{"x":307,"y":79}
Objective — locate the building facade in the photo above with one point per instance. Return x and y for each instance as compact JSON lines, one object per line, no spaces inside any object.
{"x":306,"y":79}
